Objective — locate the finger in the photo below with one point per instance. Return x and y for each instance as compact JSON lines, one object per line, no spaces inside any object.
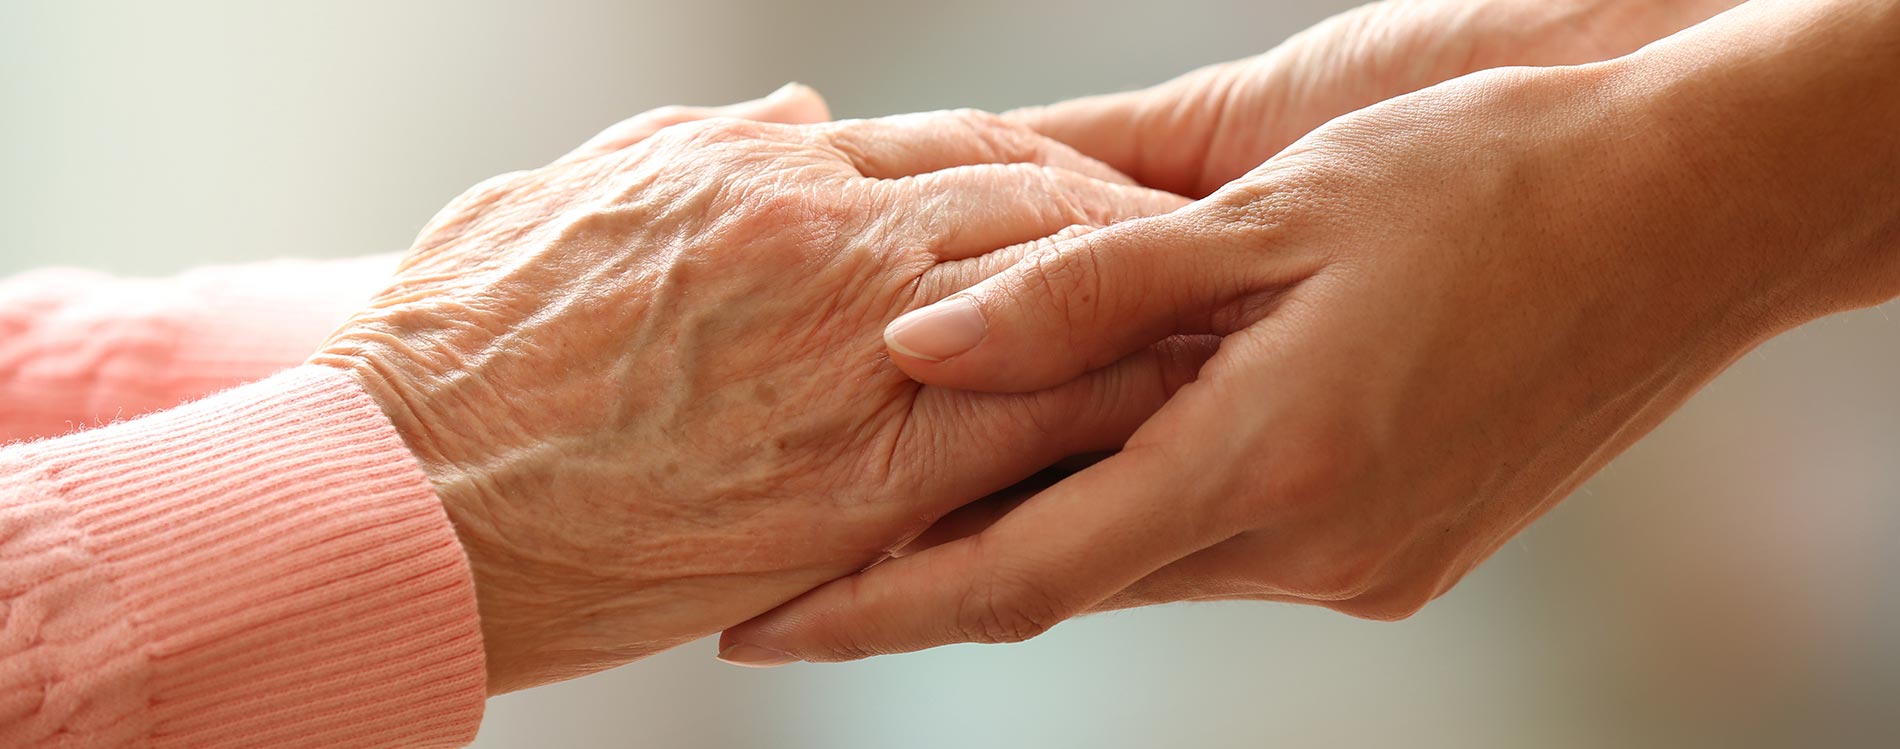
{"x":791,"y":104}
{"x":1072,"y":307}
{"x":1113,"y":129}
{"x":1012,"y":435}
{"x":1054,"y":557}
{"x":1233,"y":569}
{"x":1245,"y":568}
{"x":912,"y":144}
{"x":978,"y":516}
{"x":1160,"y":136}
{"x":1120,"y":602}
{"x":956,"y":275}
{"x":967,"y":211}
{"x":974,"y":517}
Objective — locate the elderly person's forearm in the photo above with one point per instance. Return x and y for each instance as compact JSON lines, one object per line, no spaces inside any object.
{"x":265,"y":567}
{"x":81,"y":348}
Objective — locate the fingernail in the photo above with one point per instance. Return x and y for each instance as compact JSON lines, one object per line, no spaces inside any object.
{"x":753,"y":656}
{"x":786,"y":91}
{"x":937,"y":332}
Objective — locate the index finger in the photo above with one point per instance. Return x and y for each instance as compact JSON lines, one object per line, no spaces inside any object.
{"x":1058,"y":555}
{"x":913,"y":144}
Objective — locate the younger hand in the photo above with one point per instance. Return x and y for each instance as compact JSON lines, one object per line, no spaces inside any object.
{"x":1439,"y":315}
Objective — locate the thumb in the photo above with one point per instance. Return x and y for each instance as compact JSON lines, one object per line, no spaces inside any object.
{"x":1068,"y":308}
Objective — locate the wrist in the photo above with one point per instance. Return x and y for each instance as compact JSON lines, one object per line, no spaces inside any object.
{"x":1771,"y":129}
{"x":528,"y":583}
{"x":401,"y":385}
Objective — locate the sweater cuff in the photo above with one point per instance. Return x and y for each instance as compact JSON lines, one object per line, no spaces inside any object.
{"x":287,"y":565}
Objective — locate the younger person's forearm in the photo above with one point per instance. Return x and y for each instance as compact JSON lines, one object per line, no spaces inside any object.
{"x":1783,"y":117}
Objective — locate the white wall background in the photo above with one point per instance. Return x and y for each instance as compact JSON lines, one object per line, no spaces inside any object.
{"x":1727,"y":583}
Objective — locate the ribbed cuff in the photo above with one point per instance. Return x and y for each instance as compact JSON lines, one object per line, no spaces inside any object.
{"x":293,"y":576}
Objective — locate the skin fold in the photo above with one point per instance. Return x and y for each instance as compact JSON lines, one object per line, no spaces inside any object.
{"x":1438,"y":316}
{"x":645,"y":378}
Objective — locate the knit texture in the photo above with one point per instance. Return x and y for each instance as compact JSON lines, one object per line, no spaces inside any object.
{"x":80,"y":348}
{"x":263,"y":568}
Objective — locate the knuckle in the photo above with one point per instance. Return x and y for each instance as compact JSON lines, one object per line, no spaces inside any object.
{"x":1076,"y":199}
{"x":1293,"y":201}
{"x":841,"y":641}
{"x":1083,"y":199}
{"x":1246,"y":308}
{"x":665,"y":120}
{"x":676,"y":138}
{"x":838,"y":648}
{"x":976,"y":118}
{"x":671,"y":114}
{"x":1005,"y":140}
{"x":1308,"y":477}
{"x":1262,"y":236}
{"x":1307,"y":485}
{"x":1179,"y":359}
{"x":1064,"y":286}
{"x":713,"y":130}
{"x":1252,"y":213}
{"x":1052,"y":415}
{"x":1000,"y":613}
{"x":1072,"y":231}
{"x":1068,"y":277}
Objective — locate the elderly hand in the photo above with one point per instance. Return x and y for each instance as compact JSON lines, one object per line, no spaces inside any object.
{"x":1440,"y":315}
{"x":1202,"y":130}
{"x":645,"y":379}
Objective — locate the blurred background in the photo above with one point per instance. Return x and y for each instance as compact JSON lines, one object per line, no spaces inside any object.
{"x":1726,"y":583}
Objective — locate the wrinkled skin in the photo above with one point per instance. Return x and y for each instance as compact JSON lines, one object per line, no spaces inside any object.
{"x":646,"y":380}
{"x":1439,"y":315}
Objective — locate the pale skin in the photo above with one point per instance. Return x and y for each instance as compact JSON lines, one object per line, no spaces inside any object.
{"x":645,"y":379}
{"x":1437,"y":315}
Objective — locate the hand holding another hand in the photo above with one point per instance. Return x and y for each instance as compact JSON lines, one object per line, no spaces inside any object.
{"x":1439,"y":315}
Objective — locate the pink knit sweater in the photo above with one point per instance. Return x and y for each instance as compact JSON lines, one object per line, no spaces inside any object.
{"x":264,"y":567}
